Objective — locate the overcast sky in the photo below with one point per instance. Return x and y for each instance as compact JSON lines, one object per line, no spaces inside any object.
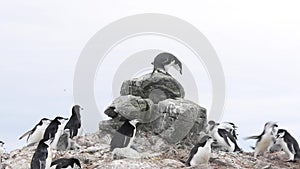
{"x":257,"y":43}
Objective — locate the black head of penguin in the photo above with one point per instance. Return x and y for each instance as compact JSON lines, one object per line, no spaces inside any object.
{"x":1,"y":143}
{"x":76,"y":111}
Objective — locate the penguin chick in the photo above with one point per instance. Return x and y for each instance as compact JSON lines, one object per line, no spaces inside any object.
{"x":265,"y":140}
{"x":54,"y":130}
{"x":74,"y":124}
{"x":201,"y":152}
{"x":66,"y":163}
{"x":124,"y":135}
{"x":288,"y":143}
{"x":163,"y":61}
{"x":64,"y":141}
{"x":42,"y":156}
{"x":36,"y":134}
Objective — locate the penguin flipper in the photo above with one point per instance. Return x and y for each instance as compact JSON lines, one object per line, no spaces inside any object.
{"x":25,"y":134}
{"x":291,"y":148}
{"x":223,"y":134}
{"x":251,"y":137}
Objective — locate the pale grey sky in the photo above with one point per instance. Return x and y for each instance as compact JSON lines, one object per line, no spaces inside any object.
{"x":257,"y":43}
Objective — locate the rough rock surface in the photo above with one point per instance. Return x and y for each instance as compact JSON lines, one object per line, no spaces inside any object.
{"x":93,"y":153}
{"x":133,"y":107}
{"x":180,"y":118}
{"x":157,"y":87}
{"x":172,"y":119}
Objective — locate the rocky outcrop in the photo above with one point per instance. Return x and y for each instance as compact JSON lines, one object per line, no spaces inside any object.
{"x":158,"y":102}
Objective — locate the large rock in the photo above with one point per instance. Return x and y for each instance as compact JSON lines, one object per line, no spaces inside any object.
{"x":133,"y":107}
{"x":157,"y":87}
{"x":172,"y":119}
{"x":181,"y":118}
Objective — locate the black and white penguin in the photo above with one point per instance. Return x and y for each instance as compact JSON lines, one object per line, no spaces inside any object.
{"x":201,"y":152}
{"x":66,"y":163}
{"x":163,"y":61}
{"x":224,"y":135}
{"x":42,"y":156}
{"x":288,"y":143}
{"x":74,"y":124}
{"x":230,"y":127}
{"x":54,"y":130}
{"x":36,"y":134}
{"x":64,"y":141}
{"x":265,"y":140}
{"x":124,"y":135}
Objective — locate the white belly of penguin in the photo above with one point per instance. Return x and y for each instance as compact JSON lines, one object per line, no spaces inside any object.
{"x":37,"y":135}
{"x":264,"y":143}
{"x":202,"y":156}
{"x":286,"y":149}
{"x":49,"y":158}
{"x":222,"y":142}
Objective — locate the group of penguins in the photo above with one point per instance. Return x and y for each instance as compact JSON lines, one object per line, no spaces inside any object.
{"x":56,"y":134}
{"x":224,"y":135}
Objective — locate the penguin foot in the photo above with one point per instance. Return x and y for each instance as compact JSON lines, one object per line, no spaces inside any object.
{"x":290,"y":161}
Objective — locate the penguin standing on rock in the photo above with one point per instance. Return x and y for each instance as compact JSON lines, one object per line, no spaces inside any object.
{"x":36,"y":134}
{"x":163,"y":61}
{"x":201,"y":152}
{"x":124,"y":135}
{"x":289,"y":144}
{"x":66,"y":163}
{"x":42,"y":156}
{"x":265,"y":140}
{"x":74,"y":124}
{"x":54,"y":130}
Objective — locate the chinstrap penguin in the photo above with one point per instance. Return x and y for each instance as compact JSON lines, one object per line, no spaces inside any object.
{"x":36,"y":134}
{"x":42,"y":156}
{"x":265,"y":140}
{"x":201,"y":152}
{"x":224,"y":136}
{"x":163,"y":61}
{"x":74,"y":124}
{"x":124,"y":135}
{"x":54,"y":130}
{"x":288,"y":144}
{"x":66,"y":163}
